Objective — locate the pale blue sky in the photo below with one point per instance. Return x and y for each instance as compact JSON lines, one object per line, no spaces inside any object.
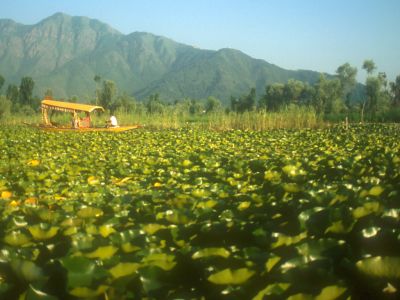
{"x":317,"y":35}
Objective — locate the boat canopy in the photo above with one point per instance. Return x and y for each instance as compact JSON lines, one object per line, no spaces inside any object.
{"x":49,"y":104}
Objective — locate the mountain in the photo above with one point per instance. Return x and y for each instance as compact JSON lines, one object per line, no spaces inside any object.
{"x":64,"y":53}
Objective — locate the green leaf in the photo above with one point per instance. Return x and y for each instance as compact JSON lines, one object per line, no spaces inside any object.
{"x":272,"y":262}
{"x":388,"y":267}
{"x":80,"y":270}
{"x":84,"y":292}
{"x":161,"y":260}
{"x":27,"y":270}
{"x":42,"y":231}
{"x":300,"y":296}
{"x":103,"y":252}
{"x":340,"y":227}
{"x":124,"y":269}
{"x":89,"y":212}
{"x":272,"y":289}
{"x":284,"y":240}
{"x":206,"y":252}
{"x":16,"y":238}
{"x":34,"y":293}
{"x":366,"y":209}
{"x":331,"y":292}
{"x":228,"y":276}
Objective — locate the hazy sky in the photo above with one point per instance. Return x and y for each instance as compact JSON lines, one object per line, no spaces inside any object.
{"x":316,"y":35}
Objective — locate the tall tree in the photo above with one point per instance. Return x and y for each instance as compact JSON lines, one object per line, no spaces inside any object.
{"x":12,"y":93}
{"x":395,"y":90}
{"x":369,"y":66}
{"x":25,"y":90}
{"x":2,"y":80}
{"x":97,"y":79}
{"x":107,"y":93}
{"x":293,"y":90}
{"x":212,"y":104}
{"x":347,"y":77}
{"x":273,"y":98}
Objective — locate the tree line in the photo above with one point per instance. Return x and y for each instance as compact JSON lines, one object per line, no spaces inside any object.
{"x":331,"y":96}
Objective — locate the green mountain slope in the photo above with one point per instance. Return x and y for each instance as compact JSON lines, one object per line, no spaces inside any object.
{"x":64,"y":53}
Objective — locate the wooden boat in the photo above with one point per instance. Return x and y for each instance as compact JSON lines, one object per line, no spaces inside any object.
{"x":78,"y":124}
{"x":89,"y":129}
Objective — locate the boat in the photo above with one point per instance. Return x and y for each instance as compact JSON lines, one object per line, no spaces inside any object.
{"x":78,"y":124}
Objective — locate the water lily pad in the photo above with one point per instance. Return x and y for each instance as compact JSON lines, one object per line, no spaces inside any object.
{"x":124,"y":269}
{"x":228,"y":276}
{"x":42,"y":231}
{"x":17,"y":238}
{"x":161,"y":260}
{"x":272,"y":289}
{"x":378,"y":266}
{"x":331,"y":292}
{"x":80,"y":270}
{"x":206,"y":252}
{"x":89,"y":212}
{"x":104,"y":252}
{"x":84,"y":292}
{"x":27,"y":270}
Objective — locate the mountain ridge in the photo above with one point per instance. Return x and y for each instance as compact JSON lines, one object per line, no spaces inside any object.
{"x":64,"y":53}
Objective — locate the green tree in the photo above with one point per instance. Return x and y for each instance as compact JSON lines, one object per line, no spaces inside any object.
{"x":25,"y":91}
{"x":2,"y":80}
{"x":107,"y":93}
{"x":327,"y":98}
{"x":395,"y":90}
{"x":347,"y":77}
{"x":97,"y":79}
{"x":212,"y":105}
{"x":12,"y":93}
{"x":377,"y":95}
{"x":369,"y":66}
{"x":293,"y":90}
{"x":273,"y":98}
{"x":154,"y":105}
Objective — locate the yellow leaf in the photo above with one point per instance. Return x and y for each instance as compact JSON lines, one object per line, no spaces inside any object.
{"x":124,"y":269}
{"x":206,"y":252}
{"x":84,"y":292}
{"x":104,"y":252}
{"x":291,"y":188}
{"x":376,"y":191}
{"x":16,"y":238}
{"x":228,"y":276}
{"x":272,"y":262}
{"x":330,"y":292}
{"x":161,"y":260}
{"x":244,"y":205}
{"x":152,"y":228}
{"x":106,"y":230}
{"x":41,"y":234}
{"x":128,"y":248}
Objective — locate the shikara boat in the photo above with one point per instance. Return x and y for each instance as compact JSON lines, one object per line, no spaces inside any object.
{"x":77,"y":124}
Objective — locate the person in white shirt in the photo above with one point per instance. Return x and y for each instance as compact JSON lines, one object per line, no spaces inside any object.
{"x":113,"y":122}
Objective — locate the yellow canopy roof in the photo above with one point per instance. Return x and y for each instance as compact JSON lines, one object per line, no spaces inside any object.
{"x":69,"y":107}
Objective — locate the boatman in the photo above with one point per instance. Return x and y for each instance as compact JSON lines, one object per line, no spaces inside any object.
{"x":113,"y":122}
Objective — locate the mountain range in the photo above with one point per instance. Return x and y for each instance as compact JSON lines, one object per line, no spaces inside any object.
{"x":64,"y":53}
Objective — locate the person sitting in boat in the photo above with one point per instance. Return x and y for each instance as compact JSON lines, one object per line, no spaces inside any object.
{"x":75,"y":120}
{"x":112,"y":122}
